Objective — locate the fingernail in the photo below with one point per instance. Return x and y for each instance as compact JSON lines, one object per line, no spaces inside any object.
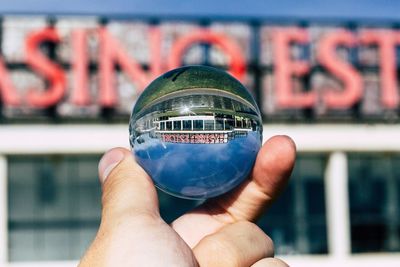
{"x":108,"y":162}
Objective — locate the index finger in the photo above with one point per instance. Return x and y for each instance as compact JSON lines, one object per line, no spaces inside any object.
{"x":270,"y":174}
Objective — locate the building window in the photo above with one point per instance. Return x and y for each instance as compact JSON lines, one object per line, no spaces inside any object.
{"x":229,"y":124}
{"x":208,"y":125}
{"x":177,"y":125}
{"x":374,"y":195}
{"x":187,"y":125}
{"x":168,"y":125}
{"x":198,"y":125}
{"x":238,"y":123}
{"x":219,"y":124}
{"x":297,"y":221}
{"x":53,"y":206}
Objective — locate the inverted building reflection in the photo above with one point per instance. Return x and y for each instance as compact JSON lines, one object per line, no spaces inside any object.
{"x":188,"y":119}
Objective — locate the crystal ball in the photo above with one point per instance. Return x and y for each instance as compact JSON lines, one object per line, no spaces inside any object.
{"x":196,"y":131}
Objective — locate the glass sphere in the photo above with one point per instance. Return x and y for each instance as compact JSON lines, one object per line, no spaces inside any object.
{"x":196,"y":131}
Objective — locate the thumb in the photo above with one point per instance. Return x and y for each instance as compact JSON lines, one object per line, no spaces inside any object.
{"x":127,"y":189}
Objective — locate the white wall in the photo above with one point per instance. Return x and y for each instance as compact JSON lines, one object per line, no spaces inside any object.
{"x":335,"y":140}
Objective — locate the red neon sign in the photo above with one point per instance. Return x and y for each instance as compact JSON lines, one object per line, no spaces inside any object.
{"x":112,"y":52}
{"x":195,"y":138}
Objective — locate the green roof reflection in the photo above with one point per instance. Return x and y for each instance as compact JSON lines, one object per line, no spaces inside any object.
{"x":191,"y":77}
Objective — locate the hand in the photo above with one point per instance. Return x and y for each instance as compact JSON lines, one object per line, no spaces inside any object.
{"x":218,"y":233}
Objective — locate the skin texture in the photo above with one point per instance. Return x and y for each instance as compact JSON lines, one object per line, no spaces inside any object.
{"x":221,"y":232}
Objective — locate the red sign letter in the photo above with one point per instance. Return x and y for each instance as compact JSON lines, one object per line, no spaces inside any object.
{"x":41,"y":64}
{"x":80,"y":91}
{"x":353,"y":89}
{"x":237,"y":64}
{"x":285,"y":68}
{"x":111,"y":52}
{"x":386,"y":41}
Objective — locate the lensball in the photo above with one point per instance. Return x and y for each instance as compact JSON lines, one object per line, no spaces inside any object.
{"x":196,"y":131}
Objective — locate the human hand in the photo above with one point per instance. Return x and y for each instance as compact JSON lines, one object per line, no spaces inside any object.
{"x":218,"y":233}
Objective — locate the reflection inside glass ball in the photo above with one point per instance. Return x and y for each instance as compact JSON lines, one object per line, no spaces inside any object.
{"x":196,"y":131}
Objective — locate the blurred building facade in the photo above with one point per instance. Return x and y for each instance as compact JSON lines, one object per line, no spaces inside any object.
{"x":68,"y":84}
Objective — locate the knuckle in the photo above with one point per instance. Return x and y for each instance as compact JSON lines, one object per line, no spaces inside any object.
{"x":255,"y":235}
{"x":264,"y":240}
{"x":220,"y":253}
{"x":250,"y":228}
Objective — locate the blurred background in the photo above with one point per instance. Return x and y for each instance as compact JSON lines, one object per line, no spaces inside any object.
{"x":324,"y":72}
